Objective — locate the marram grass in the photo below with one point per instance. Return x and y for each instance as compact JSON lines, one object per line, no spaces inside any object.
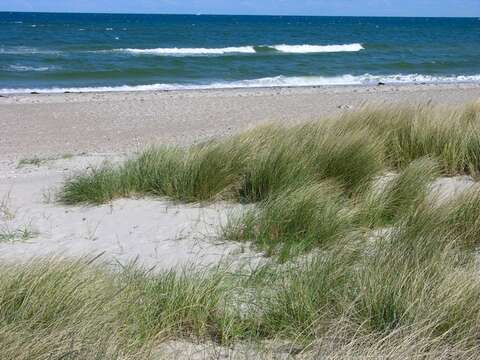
{"x":416,"y":285}
{"x":294,"y":221}
{"x":386,"y":270}
{"x":250,"y":166}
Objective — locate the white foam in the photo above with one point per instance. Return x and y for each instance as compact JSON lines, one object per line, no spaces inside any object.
{"x":29,"y":68}
{"x":310,"y":49}
{"x":295,"y":49}
{"x":21,"y":50}
{"x":191,"y":51}
{"x":279,"y":81}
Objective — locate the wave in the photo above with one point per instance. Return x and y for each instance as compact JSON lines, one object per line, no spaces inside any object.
{"x":292,"y":49}
{"x":23,"y":68}
{"x":278,"y":81}
{"x":190,"y":51}
{"x":25,"y":50}
{"x":310,"y":49}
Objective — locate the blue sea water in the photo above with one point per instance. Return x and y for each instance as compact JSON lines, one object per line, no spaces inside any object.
{"x":88,"y":52}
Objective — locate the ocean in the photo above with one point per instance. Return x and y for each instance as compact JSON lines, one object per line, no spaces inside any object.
{"x":104,"y":52}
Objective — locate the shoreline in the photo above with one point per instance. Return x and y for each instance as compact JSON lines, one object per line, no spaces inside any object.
{"x":251,"y":90}
{"x":116,"y":122}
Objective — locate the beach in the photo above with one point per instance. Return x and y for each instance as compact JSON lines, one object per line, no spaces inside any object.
{"x":47,"y":138}
{"x":180,"y":186}
{"x":242,"y":228}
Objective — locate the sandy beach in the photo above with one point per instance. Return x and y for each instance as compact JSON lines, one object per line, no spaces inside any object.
{"x":48,"y":138}
{"x":68,"y":133}
{"x":55,"y":124}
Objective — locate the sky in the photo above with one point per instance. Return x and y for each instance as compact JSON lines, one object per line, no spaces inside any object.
{"x":256,"y":7}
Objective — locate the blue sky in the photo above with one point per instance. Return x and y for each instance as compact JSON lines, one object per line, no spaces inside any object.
{"x":256,"y":7}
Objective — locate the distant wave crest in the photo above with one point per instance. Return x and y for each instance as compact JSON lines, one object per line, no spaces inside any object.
{"x":25,"y":50}
{"x":278,"y":81}
{"x":191,"y":51}
{"x":288,"y":49}
{"x":23,"y":68}
{"x":292,"y":49}
{"x":311,"y":49}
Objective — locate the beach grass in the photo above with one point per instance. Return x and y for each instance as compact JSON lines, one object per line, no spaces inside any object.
{"x":393,"y":195}
{"x":449,"y":135}
{"x":362,"y":259}
{"x":34,"y":161}
{"x":295,"y":220}
{"x":246,"y":168}
{"x":416,"y":284}
{"x":249,"y":167}
{"x":23,"y":233}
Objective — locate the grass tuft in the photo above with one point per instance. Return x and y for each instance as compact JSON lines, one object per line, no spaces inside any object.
{"x":294,"y":221}
{"x":395,"y":195}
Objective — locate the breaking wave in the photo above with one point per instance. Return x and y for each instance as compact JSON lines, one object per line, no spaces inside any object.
{"x":23,"y":68}
{"x":291,"y":49}
{"x":279,"y":81}
{"x":311,"y":49}
{"x":191,"y":51}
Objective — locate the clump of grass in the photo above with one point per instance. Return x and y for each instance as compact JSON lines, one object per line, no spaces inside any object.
{"x":6,"y":212}
{"x":187,"y":304}
{"x":309,"y":295}
{"x":309,"y":153}
{"x":19,"y":234}
{"x":404,"y":283}
{"x":251,"y":166}
{"x":33,"y":161}
{"x":55,"y":308}
{"x":450,"y":136}
{"x":352,"y":158}
{"x":459,"y":217}
{"x":398,"y":194}
{"x":416,"y":281}
{"x":67,"y":156}
{"x":98,"y":186}
{"x":463,"y":217}
{"x":295,"y":220}
{"x":246,"y":168}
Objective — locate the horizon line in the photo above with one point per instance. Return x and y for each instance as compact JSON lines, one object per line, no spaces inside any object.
{"x":225,"y":14}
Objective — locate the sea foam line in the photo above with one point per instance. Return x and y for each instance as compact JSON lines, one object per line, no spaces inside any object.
{"x":269,"y":82}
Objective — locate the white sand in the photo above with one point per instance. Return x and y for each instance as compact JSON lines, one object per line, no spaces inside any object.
{"x":153,"y":232}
